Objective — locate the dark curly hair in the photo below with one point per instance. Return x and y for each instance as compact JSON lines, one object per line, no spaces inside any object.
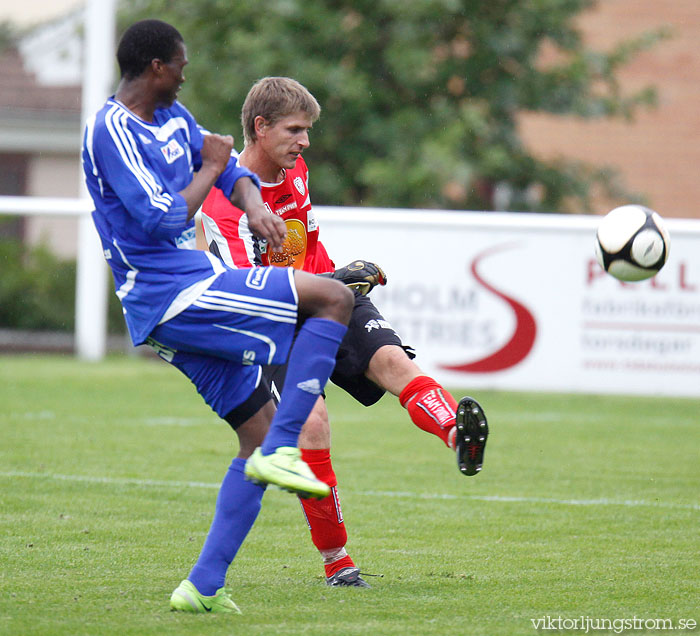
{"x":145,"y":41}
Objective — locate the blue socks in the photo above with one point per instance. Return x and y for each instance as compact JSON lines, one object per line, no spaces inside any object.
{"x":311,"y":363}
{"x":237,"y":507}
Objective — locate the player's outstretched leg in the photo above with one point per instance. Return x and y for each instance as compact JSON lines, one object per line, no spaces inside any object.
{"x":430,"y":407}
{"x":462,"y":427}
{"x":471,"y":433}
{"x":278,"y":461}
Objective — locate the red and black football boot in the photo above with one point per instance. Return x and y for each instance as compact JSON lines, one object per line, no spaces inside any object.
{"x":470,"y":440}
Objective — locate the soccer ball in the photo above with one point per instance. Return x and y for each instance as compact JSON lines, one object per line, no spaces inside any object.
{"x":632,"y":243}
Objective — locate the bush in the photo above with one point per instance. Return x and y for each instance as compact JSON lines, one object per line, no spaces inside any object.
{"x":37,"y":290}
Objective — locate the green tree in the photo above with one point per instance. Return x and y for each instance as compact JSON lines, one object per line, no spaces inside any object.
{"x":420,"y":97}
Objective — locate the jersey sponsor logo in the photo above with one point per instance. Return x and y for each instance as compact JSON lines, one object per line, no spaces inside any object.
{"x":293,"y":252}
{"x":377,"y":324}
{"x":435,"y":405}
{"x":311,"y":222}
{"x":187,"y":240}
{"x":248,"y":357}
{"x":312,"y":386}
{"x":282,"y":199}
{"x":172,"y":151}
{"x":286,"y":208}
{"x":257,"y":278}
{"x":299,"y":185}
{"x":279,"y":212}
{"x":167,"y":353}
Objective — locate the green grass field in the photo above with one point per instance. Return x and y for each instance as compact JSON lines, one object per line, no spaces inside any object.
{"x":587,"y":507}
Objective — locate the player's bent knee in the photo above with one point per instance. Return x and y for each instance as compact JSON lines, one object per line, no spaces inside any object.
{"x":344,"y":303}
{"x":338,"y":301}
{"x":394,"y":357}
{"x":392,"y":369}
{"x":324,"y":297}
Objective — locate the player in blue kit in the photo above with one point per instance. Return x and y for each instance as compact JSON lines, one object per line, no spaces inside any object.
{"x":148,"y":167}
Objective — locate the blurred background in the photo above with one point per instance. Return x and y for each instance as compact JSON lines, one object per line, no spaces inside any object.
{"x":555,"y":106}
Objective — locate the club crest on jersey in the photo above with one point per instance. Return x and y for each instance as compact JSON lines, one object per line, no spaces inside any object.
{"x":299,"y":185}
{"x":172,"y":151}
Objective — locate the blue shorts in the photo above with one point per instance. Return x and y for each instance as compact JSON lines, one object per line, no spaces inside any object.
{"x":245,"y":319}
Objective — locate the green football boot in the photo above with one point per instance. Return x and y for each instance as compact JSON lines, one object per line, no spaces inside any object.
{"x":285,"y":468}
{"x":186,"y":598}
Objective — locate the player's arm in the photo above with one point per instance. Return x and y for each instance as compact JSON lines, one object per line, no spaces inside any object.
{"x":160,"y":211}
{"x":246,"y":196}
{"x":216,"y":153}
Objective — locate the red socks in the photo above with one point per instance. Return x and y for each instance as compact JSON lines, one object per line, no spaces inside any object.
{"x":431,"y":408}
{"x":324,"y":516}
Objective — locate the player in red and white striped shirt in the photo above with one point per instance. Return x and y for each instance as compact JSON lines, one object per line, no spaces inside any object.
{"x":277,"y":116}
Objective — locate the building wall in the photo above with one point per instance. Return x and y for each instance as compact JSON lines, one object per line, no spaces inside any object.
{"x":659,"y":153}
{"x":55,"y":175}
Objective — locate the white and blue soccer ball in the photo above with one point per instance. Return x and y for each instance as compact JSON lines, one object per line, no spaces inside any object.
{"x":632,"y":243}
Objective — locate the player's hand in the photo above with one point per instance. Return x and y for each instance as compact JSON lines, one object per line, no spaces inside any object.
{"x":362,"y":276}
{"x":267,"y":226}
{"x":216,"y":151}
{"x":261,"y":222}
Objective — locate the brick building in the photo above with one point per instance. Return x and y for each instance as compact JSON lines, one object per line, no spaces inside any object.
{"x":659,"y":153}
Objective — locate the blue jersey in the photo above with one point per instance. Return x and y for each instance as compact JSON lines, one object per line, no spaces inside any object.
{"x":134,"y":170}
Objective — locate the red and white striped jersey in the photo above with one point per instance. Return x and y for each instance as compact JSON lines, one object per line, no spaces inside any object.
{"x":227,"y":234}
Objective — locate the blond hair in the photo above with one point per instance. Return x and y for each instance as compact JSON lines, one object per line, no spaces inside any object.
{"x":274,"y":98}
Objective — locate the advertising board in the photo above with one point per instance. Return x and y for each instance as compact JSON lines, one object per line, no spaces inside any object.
{"x":518,"y":302}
